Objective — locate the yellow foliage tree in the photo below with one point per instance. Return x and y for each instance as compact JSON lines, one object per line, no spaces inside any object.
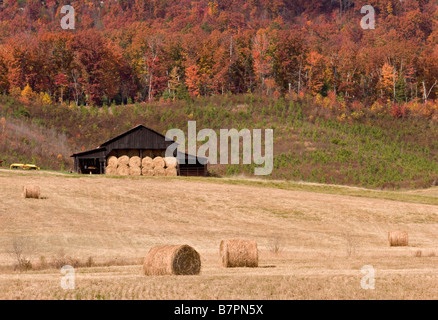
{"x":213,"y":8}
{"x":27,"y":92}
{"x":387,"y":80}
{"x":45,"y":98}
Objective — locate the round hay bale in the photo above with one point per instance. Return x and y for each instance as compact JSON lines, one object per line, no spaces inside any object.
{"x":122,"y":170}
{"x":148,"y":153}
{"x":171,"y":172}
{"x":158,"y":162}
{"x":123,"y":161}
{"x":170,"y":162}
{"x":147,"y":163}
{"x":112,"y":161}
{"x":397,"y":238}
{"x":172,"y":260}
{"x":135,"y":171}
{"x":147,"y":172}
{"x":111,"y":170}
{"x":31,"y":192}
{"x":135,"y":161}
{"x":239,"y":253}
{"x":159,"y":172}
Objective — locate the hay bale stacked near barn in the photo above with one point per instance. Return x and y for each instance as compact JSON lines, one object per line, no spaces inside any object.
{"x":111,"y":168}
{"x":171,"y":164}
{"x":239,"y":253}
{"x":147,"y":165}
{"x":122,"y":170}
{"x":31,"y":192}
{"x":172,"y":260}
{"x":159,"y":166}
{"x":135,"y":166}
{"x":123,"y":161}
{"x":135,"y":161}
{"x":112,"y":162}
{"x":131,"y":164}
{"x":398,"y":238}
{"x":124,"y":165}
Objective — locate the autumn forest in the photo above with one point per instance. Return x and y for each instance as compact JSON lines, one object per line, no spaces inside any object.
{"x":147,"y":50}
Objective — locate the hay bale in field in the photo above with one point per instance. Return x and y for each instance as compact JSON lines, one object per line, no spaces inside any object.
{"x":158,"y":162}
{"x":159,"y":172}
{"x":135,"y":161}
{"x":123,"y":161}
{"x":112,"y":161}
{"x":31,"y":191}
{"x":147,"y":163}
{"x":397,"y":238}
{"x":171,"y":172}
{"x":147,"y":172}
{"x":134,"y":171}
{"x":239,"y":253}
{"x":170,"y":162}
{"x":172,"y":260}
{"x":111,"y":170}
{"x":122,"y":170}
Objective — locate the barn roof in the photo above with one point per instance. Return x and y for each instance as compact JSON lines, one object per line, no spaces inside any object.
{"x":97,"y":150}
{"x":140,"y":126}
{"x":103,"y":146}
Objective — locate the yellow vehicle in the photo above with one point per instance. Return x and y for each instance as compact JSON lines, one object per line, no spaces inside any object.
{"x":30,"y":167}
{"x":16,"y":166}
{"x":24,"y":166}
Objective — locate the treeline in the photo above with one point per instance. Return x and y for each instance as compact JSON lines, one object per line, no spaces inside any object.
{"x":143,"y":50}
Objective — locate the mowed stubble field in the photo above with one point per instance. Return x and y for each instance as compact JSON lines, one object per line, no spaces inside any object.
{"x":326,"y":234}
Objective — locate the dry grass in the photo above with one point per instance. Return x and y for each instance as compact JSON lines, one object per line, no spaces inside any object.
{"x":122,"y":218}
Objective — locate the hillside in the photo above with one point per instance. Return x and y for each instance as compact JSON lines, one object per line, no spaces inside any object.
{"x":105,"y":226}
{"x":311,"y":141}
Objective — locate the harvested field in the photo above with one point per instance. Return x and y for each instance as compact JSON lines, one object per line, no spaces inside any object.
{"x":325,"y":235}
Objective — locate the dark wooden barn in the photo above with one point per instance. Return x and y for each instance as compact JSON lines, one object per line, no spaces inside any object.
{"x":135,"y":142}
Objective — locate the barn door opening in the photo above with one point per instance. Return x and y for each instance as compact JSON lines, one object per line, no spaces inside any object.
{"x":90,"y":165}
